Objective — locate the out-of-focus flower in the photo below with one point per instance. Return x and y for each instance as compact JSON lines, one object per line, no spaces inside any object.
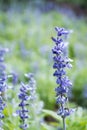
{"x":3,"y":84}
{"x":26,"y":95}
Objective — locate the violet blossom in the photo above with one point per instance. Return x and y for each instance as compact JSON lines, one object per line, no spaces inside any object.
{"x":61,"y":62}
{"x":3,"y":84}
{"x":26,"y":95}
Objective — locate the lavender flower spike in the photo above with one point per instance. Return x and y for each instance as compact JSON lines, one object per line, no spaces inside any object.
{"x":61,"y":62}
{"x":26,"y":95}
{"x":3,"y":85}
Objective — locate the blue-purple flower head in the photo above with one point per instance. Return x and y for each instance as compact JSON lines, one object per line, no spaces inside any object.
{"x":3,"y":76}
{"x":26,"y":95}
{"x":65,"y":112}
{"x":32,"y":85}
{"x":61,"y":62}
{"x":3,"y":84}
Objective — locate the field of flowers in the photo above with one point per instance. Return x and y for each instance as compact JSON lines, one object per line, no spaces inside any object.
{"x":25,"y":33}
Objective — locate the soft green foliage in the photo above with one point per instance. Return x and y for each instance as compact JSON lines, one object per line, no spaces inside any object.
{"x":78,"y":120}
{"x":80,"y":85}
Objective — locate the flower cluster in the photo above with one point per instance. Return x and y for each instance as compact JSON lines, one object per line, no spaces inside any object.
{"x":3,"y":85}
{"x":27,"y":93}
{"x":61,"y":62}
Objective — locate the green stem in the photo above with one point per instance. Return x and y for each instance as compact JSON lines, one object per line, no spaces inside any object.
{"x":64,"y":124}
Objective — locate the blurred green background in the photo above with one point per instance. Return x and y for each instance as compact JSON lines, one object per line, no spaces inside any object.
{"x":26,"y":28}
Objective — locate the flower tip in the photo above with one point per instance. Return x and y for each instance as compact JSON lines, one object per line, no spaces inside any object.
{"x":57,"y":28}
{"x":53,"y":39}
{"x":22,"y":84}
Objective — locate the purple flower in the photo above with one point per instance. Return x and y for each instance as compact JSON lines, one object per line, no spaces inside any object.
{"x":65,"y":112}
{"x":26,"y":95}
{"x":3,"y":85}
{"x":61,"y":99}
{"x":61,"y":62}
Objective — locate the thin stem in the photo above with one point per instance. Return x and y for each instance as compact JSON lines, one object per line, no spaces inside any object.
{"x":64,"y":124}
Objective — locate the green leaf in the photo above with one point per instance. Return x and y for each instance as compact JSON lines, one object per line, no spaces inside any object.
{"x":52,"y":113}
